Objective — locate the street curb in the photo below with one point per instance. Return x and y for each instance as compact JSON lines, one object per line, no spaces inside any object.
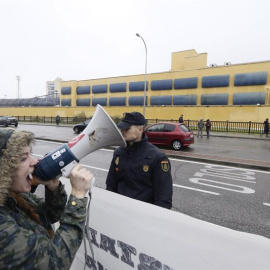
{"x":51,"y":140}
{"x":221,"y":162}
{"x":212,"y":160}
{"x":239,"y":137}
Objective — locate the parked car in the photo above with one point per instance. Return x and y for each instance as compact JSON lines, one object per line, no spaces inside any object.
{"x":171,"y":134}
{"x":8,"y":121}
{"x":80,"y":127}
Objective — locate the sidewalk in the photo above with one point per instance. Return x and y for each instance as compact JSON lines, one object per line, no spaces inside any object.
{"x":239,"y":135}
{"x":253,"y":163}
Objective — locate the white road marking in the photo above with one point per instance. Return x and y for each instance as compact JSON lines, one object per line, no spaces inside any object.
{"x":234,"y":188}
{"x":201,"y":174}
{"x":96,"y":168}
{"x":267,"y":204}
{"x":196,"y":189}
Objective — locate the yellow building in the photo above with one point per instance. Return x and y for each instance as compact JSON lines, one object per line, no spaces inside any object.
{"x":234,"y":92}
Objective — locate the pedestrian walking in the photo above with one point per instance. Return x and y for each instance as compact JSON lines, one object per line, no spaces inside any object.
{"x":265,"y":127}
{"x":208,"y":127}
{"x":181,"y":119}
{"x":57,"y":119}
{"x":200,"y":128}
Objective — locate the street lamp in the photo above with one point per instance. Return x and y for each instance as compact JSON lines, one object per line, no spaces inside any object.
{"x":144,"y":93}
{"x":18,"y":79}
{"x":267,"y":95}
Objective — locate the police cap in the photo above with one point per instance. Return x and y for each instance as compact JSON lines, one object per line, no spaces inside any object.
{"x":129,"y":119}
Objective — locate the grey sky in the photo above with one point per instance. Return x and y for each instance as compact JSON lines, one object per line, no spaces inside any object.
{"x":87,"y":39}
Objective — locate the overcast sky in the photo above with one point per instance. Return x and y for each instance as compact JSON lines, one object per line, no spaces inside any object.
{"x":41,"y":40}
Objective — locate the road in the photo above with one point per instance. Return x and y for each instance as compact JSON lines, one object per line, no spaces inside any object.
{"x":251,"y":151}
{"x":233,"y":148}
{"x":232,"y":197}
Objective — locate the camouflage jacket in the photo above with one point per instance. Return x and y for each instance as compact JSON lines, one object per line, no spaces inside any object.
{"x":25,"y":244}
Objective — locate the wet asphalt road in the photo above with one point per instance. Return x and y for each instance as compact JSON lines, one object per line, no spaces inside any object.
{"x":231,"y":197}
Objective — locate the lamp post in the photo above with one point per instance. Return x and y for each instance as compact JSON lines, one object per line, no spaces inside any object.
{"x":144,"y":93}
{"x":18,"y":79}
{"x":267,"y":95}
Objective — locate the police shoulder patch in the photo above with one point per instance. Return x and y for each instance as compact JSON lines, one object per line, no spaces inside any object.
{"x":145,"y":168}
{"x":117,"y":161}
{"x":165,"y":166}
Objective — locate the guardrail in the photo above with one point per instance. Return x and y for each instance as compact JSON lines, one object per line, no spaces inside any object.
{"x":218,"y":126}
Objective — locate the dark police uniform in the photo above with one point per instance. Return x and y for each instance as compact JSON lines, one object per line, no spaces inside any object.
{"x":141,"y":172}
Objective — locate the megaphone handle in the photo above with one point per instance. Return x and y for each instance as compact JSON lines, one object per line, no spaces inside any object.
{"x":67,"y":169}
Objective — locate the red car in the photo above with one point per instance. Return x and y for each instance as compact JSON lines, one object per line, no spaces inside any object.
{"x":171,"y":134}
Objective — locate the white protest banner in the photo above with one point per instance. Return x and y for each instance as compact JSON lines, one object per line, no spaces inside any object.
{"x":128,"y":234}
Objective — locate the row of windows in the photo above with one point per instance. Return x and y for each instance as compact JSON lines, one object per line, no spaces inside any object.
{"x":242,"y":79}
{"x":207,"y":99}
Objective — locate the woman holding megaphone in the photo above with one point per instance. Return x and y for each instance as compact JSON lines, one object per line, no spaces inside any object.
{"x":27,"y":239}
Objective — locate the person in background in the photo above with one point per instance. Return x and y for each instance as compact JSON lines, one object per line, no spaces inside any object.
{"x":200,"y":128}
{"x":208,"y":127}
{"x":27,"y":238}
{"x":265,"y":127}
{"x":181,"y":119}
{"x":57,"y":119}
{"x":140,"y":170}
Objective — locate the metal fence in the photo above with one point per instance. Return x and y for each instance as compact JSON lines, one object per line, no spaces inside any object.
{"x":51,"y":119}
{"x":222,"y":126}
{"x":218,"y":126}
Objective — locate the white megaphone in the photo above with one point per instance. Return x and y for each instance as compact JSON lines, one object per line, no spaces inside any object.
{"x":100,"y":132}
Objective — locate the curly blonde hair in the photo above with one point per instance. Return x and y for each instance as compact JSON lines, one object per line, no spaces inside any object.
{"x":10,"y":159}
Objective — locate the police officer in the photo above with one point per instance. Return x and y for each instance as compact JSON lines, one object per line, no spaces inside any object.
{"x":140,"y":170}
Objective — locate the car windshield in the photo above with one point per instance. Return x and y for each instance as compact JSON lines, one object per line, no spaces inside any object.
{"x":87,"y":121}
{"x":184,"y":128}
